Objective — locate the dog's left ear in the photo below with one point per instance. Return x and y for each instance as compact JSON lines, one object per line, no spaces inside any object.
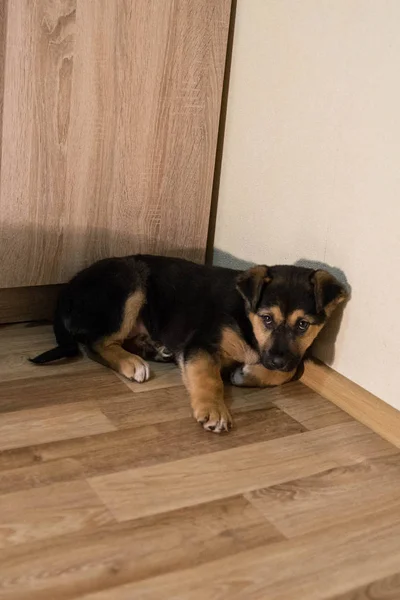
{"x":329,"y":292}
{"x":250,"y":284}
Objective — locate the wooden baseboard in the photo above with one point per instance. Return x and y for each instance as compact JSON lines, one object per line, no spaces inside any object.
{"x":28,"y":303}
{"x":353,"y":399}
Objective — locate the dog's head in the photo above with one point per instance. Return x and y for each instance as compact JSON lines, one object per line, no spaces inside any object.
{"x":288,"y":306}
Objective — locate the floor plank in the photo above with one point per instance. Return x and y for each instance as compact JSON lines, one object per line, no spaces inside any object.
{"x":172,"y":404}
{"x":39,"y":475}
{"x":38,"y":425}
{"x":99,"y":385}
{"x":49,"y":511}
{"x":387,"y":588}
{"x":155,"y":444}
{"x":312,"y":411}
{"x":163,"y":375}
{"x":111,"y":490}
{"x":146,"y":408}
{"x":239,"y":470}
{"x":331,"y":497}
{"x":112,"y":555}
{"x":20,"y":342}
{"x":313,"y":567}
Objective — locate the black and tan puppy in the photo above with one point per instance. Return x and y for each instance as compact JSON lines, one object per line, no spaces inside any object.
{"x":256,"y":324}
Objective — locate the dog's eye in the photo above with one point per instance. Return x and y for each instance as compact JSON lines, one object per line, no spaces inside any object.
{"x":267,"y":319}
{"x":303,"y":325}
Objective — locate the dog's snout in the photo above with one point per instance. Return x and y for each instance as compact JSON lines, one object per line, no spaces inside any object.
{"x":279,"y":362}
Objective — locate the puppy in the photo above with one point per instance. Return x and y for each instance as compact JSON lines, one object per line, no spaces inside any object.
{"x":256,"y":325}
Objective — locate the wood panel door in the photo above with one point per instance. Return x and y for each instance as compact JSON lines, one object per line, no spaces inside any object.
{"x":109,"y":131}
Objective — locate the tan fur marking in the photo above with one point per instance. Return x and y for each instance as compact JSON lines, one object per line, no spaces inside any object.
{"x":295,"y":316}
{"x":260,"y":271}
{"x":259,"y":274}
{"x":329,"y":308}
{"x":202,"y":377}
{"x":262,"y":335}
{"x":259,"y":376}
{"x":303,"y":342}
{"x":275,"y":312}
{"x":110,"y":348}
{"x":133,"y":306}
{"x":235,"y":349}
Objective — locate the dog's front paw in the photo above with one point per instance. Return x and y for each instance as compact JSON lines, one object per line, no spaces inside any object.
{"x":163,"y":354}
{"x":135,"y":369}
{"x":213,"y":417}
{"x":240,"y":377}
{"x":259,"y":376}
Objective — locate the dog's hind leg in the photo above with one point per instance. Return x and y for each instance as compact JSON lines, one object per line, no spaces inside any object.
{"x":144,"y":346}
{"x":109,"y":350}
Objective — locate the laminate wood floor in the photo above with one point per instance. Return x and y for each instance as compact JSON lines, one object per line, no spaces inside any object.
{"x":110,"y":490}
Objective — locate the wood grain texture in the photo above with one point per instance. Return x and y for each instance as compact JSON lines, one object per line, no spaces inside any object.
{"x":48,"y":512}
{"x":163,"y":375}
{"x":387,"y":588}
{"x":19,"y":342}
{"x":353,"y":399}
{"x":313,"y":567}
{"x":311,"y":410}
{"x":39,"y":474}
{"x":109,"y":138}
{"x":200,"y":479}
{"x":152,"y":444}
{"x":115,"y":554}
{"x":28,"y":303}
{"x":331,"y":497}
{"x":38,"y":425}
{"x":99,"y":385}
{"x":37,"y":95}
{"x":172,"y":404}
{"x":3,"y":25}
{"x":106,"y":493}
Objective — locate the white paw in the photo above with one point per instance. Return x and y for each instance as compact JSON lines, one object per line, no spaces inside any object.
{"x":142,"y":372}
{"x":135,"y":369}
{"x":239,"y":375}
{"x":214,"y":418}
{"x":163,"y":355}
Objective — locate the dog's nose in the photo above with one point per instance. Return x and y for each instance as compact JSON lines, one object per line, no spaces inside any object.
{"x":279,"y":362}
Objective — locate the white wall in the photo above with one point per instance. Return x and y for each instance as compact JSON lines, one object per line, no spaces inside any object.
{"x":311,"y":164}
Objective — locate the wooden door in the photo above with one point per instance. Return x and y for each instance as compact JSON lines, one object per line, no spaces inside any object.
{"x":109,"y":131}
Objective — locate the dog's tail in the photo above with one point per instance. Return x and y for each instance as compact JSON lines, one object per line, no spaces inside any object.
{"x":67,"y":345}
{"x":56,"y":353}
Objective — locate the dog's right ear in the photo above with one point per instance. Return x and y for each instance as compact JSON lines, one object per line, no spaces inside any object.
{"x":250,"y":284}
